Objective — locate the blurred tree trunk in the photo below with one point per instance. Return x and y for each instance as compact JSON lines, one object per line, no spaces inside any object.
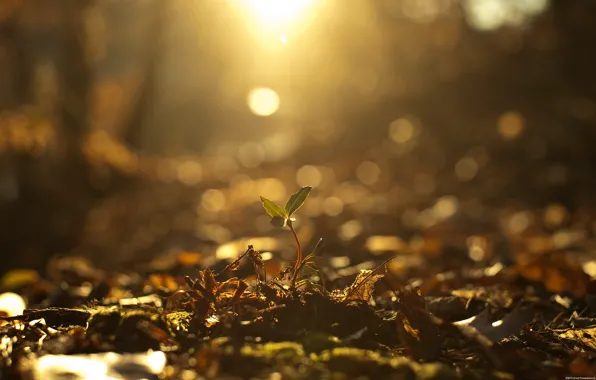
{"x":15,"y":67}
{"x":133,"y":125}
{"x":75,"y":75}
{"x":53,"y":187}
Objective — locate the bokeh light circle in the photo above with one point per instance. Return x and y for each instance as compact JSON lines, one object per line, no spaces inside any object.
{"x":263,"y":101}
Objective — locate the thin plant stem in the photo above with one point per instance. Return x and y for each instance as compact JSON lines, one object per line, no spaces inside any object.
{"x":298,"y":258}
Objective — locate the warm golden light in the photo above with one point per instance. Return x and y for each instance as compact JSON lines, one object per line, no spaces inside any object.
{"x":510,"y":125}
{"x":12,"y":304}
{"x":263,"y":101}
{"x":275,"y":13}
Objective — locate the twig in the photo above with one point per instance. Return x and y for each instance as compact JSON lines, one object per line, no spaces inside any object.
{"x":275,"y":307}
{"x":555,"y":319}
{"x":235,"y":262}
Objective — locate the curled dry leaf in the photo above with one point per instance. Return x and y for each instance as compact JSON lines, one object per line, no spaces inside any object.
{"x":242,"y":286}
{"x":363,"y":286}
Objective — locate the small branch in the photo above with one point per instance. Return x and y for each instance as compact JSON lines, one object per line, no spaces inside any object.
{"x":235,"y":262}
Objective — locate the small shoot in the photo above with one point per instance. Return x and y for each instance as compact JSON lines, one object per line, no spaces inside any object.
{"x":281,"y":217}
{"x":308,"y":261}
{"x":308,"y":268}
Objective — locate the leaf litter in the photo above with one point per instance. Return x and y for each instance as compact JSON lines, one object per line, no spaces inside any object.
{"x":529,"y":319}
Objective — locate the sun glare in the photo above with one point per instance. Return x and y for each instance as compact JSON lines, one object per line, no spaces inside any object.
{"x":263,"y":101}
{"x":276,"y":13}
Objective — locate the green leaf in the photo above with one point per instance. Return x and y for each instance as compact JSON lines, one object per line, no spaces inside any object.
{"x":272,"y":209}
{"x":316,"y":250}
{"x":297,"y":200}
{"x":309,"y":270}
{"x":320,"y":288}
{"x":278,"y":221}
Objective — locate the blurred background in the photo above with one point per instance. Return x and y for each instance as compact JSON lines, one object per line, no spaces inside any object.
{"x":136,"y":129}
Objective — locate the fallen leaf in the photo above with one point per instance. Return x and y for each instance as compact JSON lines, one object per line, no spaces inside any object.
{"x":189,"y":259}
{"x":557,"y":272}
{"x":581,"y":366}
{"x":418,"y":330}
{"x":363,"y":286}
{"x":510,"y":325}
{"x":17,"y":278}
{"x":163,"y":281}
{"x":585,"y":337}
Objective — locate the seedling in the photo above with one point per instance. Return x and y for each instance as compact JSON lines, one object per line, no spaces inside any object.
{"x":281,"y":217}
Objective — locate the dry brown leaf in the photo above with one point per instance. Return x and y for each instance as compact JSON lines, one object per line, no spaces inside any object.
{"x":557,"y":273}
{"x":163,"y":281}
{"x":17,"y":278}
{"x":585,"y":337}
{"x":363,"y":286}
{"x":511,"y":324}
{"x":242,"y":286}
{"x":581,"y":366}
{"x":209,"y":281}
{"x":418,"y":331}
{"x":189,"y":259}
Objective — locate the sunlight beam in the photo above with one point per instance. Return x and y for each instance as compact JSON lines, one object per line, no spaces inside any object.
{"x":277,"y":13}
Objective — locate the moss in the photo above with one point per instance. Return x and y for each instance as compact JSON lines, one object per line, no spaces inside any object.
{"x":115,"y":328}
{"x":315,"y":342}
{"x":356,"y":362}
{"x":434,"y":371}
{"x":359,"y":362}
{"x":179,"y":321}
{"x":352,"y":354}
{"x":285,"y":351}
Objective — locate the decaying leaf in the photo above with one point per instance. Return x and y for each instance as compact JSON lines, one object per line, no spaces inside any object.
{"x":256,"y":258}
{"x":582,"y":337}
{"x":419,"y":331}
{"x":189,"y":259}
{"x":412,"y":298}
{"x":557,"y":272}
{"x":242,"y":286}
{"x":408,"y":329}
{"x":495,"y":295}
{"x":209,"y":281}
{"x":163,"y":281}
{"x":580,"y":366}
{"x":363,"y":286}
{"x":235,"y":265}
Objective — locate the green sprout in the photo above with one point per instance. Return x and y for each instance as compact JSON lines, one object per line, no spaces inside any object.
{"x":281,"y":217}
